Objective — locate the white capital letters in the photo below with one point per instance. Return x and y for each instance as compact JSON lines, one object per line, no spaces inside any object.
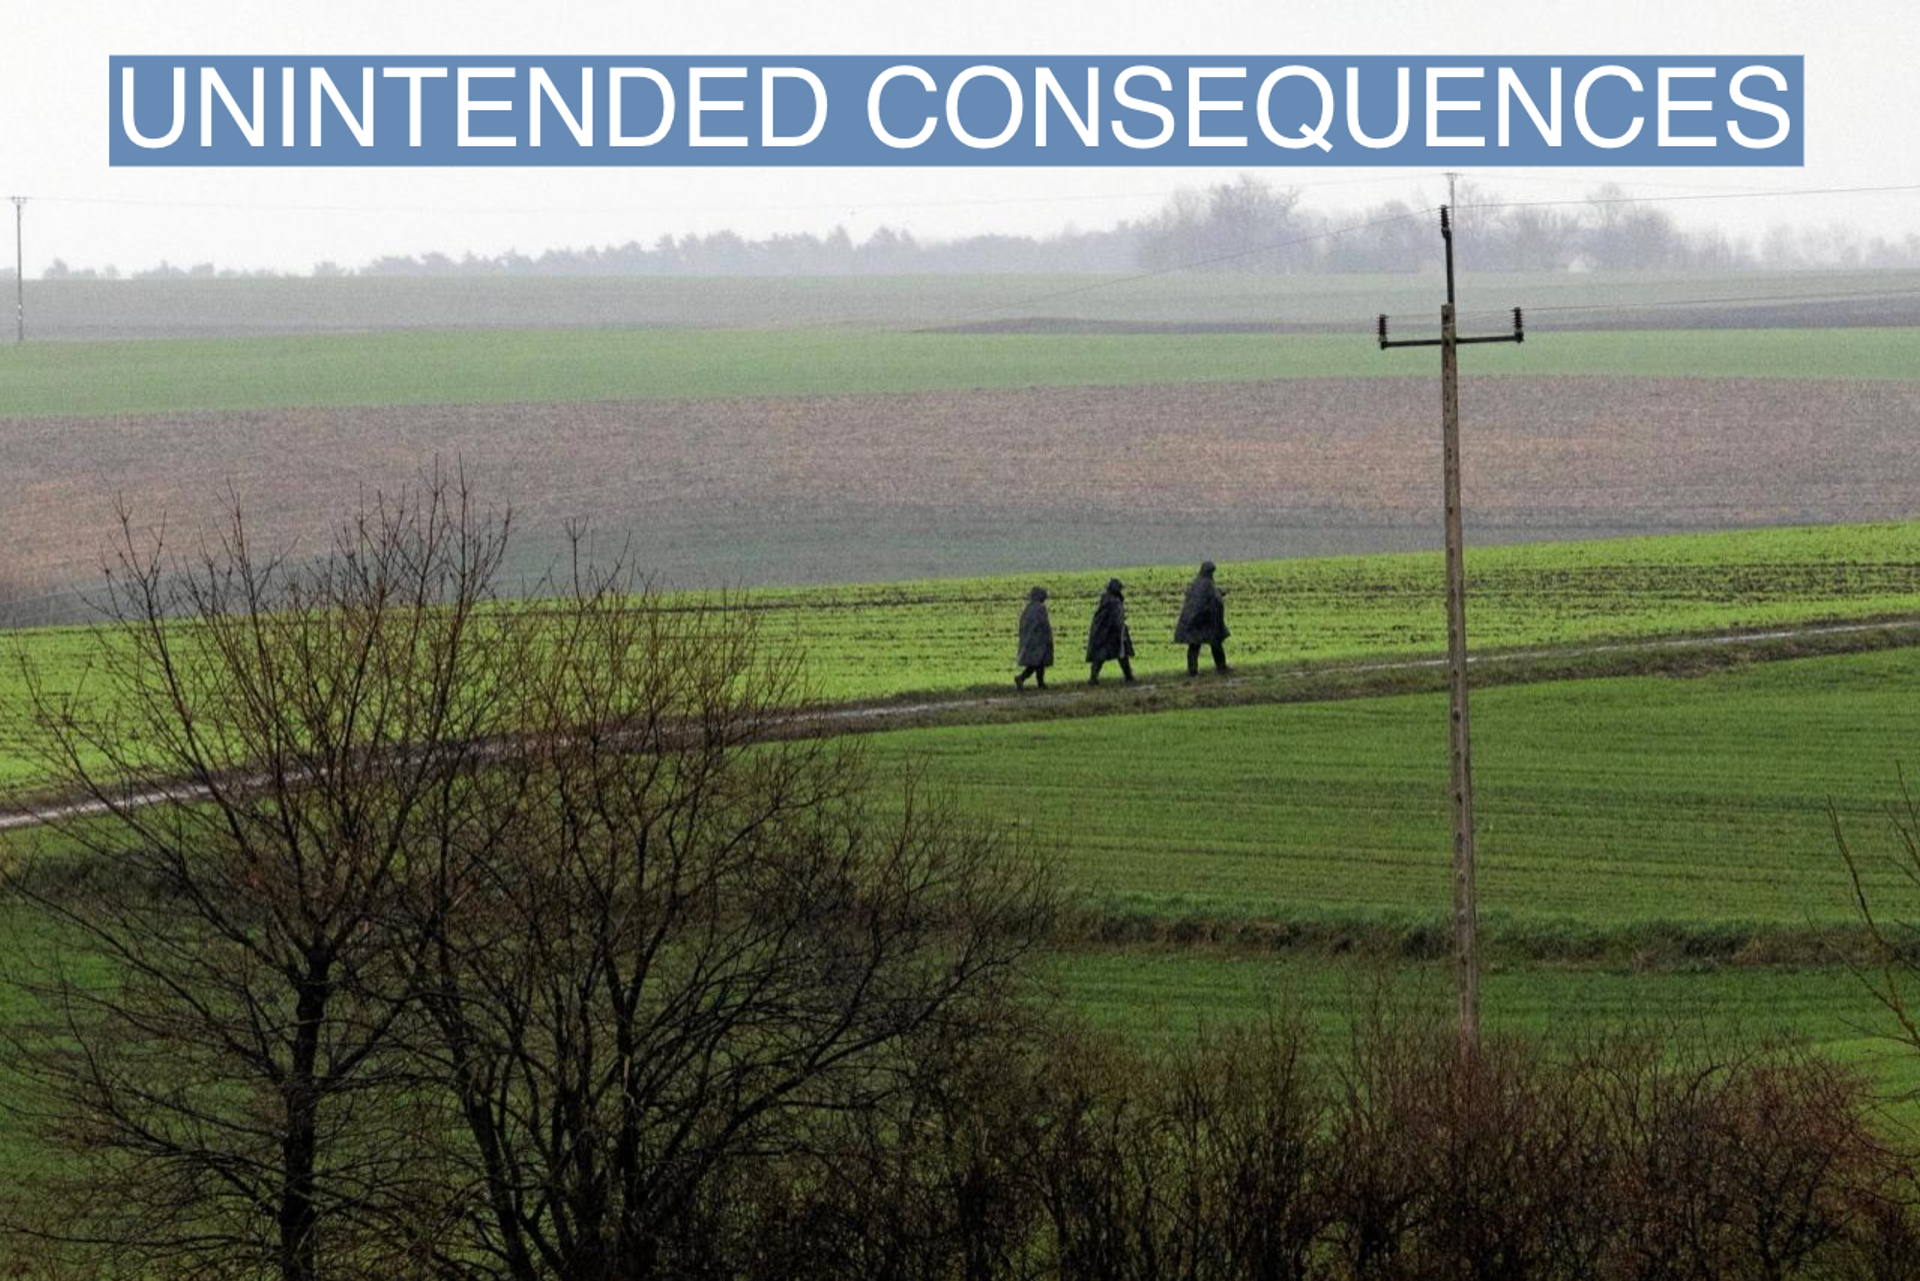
{"x":1754,"y":104}
{"x":172,"y":135}
{"x":254,"y":127}
{"x":1196,"y":77}
{"x":966,"y":78}
{"x":541,"y":85}
{"x":873,"y":106}
{"x":322,"y":83}
{"x":1668,"y":105}
{"x":1310,"y":136}
{"x":696,"y":105}
{"x":1580,"y":107}
{"x":768,"y":138}
{"x":1353,"y":110}
{"x":1510,"y":88}
{"x":616,"y":136}
{"x":1436,"y":104}
{"x":468,"y":105}
{"x":1132,"y":103}
{"x":413,"y":76}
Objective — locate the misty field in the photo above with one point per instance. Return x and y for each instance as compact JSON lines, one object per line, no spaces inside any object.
{"x":559,"y":366}
{"x":86,"y":309}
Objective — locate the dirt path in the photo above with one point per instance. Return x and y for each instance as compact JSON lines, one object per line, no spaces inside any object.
{"x":1263,"y":685}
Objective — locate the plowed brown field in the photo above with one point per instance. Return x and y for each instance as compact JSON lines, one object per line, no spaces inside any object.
{"x":869,"y":487}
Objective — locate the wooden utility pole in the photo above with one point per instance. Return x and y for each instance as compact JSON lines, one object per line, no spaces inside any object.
{"x":1466,"y":904}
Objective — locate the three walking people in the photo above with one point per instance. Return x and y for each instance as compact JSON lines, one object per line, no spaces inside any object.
{"x":1203,"y":621}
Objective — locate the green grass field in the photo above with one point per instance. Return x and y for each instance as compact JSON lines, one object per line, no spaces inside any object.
{"x":1652,"y":847}
{"x":78,"y":309}
{"x":553,"y":366}
{"x":1607,"y":809}
{"x":949,"y":635}
{"x":1675,"y":823}
{"x":1163,"y":994}
{"x":1671,"y":834}
{"x":952,"y":635}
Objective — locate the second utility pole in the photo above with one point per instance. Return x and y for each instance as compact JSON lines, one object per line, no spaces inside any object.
{"x":19,"y":274}
{"x":1466,"y":906}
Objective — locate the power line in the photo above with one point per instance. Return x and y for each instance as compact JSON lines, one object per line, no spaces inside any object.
{"x":19,"y":272}
{"x":852,"y":207}
{"x":1711,"y":195}
{"x":1733,"y":300}
{"x":267,"y":207}
{"x":1587,"y":177}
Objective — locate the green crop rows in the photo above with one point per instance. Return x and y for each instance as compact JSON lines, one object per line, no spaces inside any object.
{"x":1615,"y":807}
{"x":1166,"y":994}
{"x":1623,"y":820}
{"x":864,"y":641}
{"x":950,"y":635}
{"x":553,"y":366}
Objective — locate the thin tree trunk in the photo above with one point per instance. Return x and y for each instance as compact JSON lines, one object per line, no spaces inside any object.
{"x":299,"y":1214}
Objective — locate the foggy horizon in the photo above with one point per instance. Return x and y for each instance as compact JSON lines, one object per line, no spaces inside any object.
{"x":1861,"y":109}
{"x":1778,"y":223}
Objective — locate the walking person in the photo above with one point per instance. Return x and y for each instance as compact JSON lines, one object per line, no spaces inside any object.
{"x":1108,"y":640}
{"x":1203,"y":621}
{"x":1036,"y":641}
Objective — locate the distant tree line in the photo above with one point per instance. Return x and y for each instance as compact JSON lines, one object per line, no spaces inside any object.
{"x":1247,"y":224}
{"x":1243,"y":225}
{"x":58,"y":269}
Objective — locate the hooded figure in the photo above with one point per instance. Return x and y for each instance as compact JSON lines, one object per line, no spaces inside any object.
{"x":1108,"y":639}
{"x":1203,"y":621}
{"x":1036,"y":640}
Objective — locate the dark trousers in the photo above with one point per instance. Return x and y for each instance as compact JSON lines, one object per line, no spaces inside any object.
{"x":1219,"y":658}
{"x":1126,"y":670}
{"x":1038,"y":673}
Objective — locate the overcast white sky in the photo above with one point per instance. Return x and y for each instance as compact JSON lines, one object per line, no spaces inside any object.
{"x":1863,"y":116}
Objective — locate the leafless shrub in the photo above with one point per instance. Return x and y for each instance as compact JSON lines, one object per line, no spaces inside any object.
{"x":468,"y":938}
{"x":211,"y":1041}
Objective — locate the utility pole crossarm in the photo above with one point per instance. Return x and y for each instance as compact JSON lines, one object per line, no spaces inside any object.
{"x":1466,"y":904}
{"x":1519,"y":334}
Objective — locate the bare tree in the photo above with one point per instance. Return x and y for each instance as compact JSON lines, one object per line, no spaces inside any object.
{"x":213,"y":1038}
{"x":427,"y":933}
{"x":686,"y":940}
{"x":1891,"y":968}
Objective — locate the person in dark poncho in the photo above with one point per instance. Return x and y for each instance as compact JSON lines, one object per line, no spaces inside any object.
{"x":1036,"y":641}
{"x":1203,"y":621}
{"x":1108,"y":640}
